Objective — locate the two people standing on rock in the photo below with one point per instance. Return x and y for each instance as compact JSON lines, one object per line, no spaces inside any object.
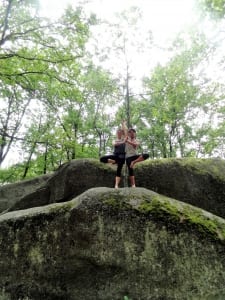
{"x":125,"y":150}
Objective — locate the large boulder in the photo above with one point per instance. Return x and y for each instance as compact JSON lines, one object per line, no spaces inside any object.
{"x":107,"y":244}
{"x":14,"y":192}
{"x":70,"y":180}
{"x":200,"y":182}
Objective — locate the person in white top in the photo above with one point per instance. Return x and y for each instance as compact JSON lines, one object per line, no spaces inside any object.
{"x":132,"y":156}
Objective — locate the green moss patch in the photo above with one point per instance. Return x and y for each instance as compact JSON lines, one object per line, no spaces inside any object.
{"x":118,"y":204}
{"x":185,"y":215}
{"x":168,"y":210}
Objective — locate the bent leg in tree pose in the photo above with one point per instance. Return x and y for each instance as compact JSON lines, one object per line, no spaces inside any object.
{"x":132,"y":157}
{"x":131,"y":161}
{"x":111,"y":159}
{"x":139,"y":158}
{"x":118,"y":156}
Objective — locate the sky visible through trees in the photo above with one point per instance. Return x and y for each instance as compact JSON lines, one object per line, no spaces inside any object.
{"x":162,"y":17}
{"x":165,"y":18}
{"x":157,"y":63}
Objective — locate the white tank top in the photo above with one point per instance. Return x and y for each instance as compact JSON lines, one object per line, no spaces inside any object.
{"x":130,"y":149}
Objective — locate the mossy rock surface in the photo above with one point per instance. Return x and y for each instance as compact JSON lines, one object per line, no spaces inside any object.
{"x":69,"y":235}
{"x":69,"y":181}
{"x":14,"y":192}
{"x":200,"y":182}
{"x":108,"y":244}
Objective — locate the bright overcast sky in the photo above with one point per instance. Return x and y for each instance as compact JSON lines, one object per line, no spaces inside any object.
{"x":163,"y":17}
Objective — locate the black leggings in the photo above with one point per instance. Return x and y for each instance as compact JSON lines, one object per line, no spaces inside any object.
{"x":119,"y":161}
{"x":132,"y":158}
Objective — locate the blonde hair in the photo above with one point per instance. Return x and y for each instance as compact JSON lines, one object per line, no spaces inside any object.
{"x":119,"y":129}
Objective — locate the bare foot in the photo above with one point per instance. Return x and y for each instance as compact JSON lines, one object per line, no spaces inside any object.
{"x":132,"y":164}
{"x":111,"y":161}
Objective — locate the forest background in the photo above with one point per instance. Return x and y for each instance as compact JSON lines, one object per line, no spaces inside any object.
{"x":62,"y":96}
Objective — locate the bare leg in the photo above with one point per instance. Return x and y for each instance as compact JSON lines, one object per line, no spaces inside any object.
{"x":132,"y":181}
{"x":117,"y":182}
{"x":140,"y":158}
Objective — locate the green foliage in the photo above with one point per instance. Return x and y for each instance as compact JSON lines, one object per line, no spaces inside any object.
{"x":42,"y":60}
{"x":178,"y":111}
{"x":58,"y":105}
{"x":215,"y":8}
{"x":12,"y":174}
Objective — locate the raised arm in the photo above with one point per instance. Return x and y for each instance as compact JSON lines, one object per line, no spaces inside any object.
{"x":124,"y":128}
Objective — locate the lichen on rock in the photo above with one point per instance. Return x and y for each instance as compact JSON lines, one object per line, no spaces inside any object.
{"x":107,"y":243}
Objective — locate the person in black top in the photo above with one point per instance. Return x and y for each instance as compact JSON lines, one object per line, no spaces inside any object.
{"x":118,"y":156}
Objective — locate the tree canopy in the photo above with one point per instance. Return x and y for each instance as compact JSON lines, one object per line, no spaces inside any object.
{"x":65,"y":88}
